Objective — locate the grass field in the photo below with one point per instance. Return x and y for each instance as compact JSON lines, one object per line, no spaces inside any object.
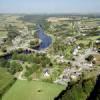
{"x":33,"y":90}
{"x":93,"y":38}
{"x":86,"y":40}
{"x":3,"y":33}
{"x":5,"y":79}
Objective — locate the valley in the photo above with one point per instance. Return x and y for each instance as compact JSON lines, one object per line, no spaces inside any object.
{"x":45,"y":54}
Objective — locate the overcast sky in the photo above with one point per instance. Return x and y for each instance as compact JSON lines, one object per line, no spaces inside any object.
{"x":49,"y":6}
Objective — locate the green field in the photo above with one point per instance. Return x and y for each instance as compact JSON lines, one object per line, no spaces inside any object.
{"x":86,"y":40}
{"x":33,"y":90}
{"x":3,"y":33}
{"x":5,"y":80}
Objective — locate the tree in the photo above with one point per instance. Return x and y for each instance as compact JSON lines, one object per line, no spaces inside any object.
{"x":3,"y":49}
{"x":4,"y":63}
{"x":81,"y":45}
{"x":15,"y":67}
{"x":89,"y":58}
{"x":90,"y":43}
{"x":34,"y":43}
{"x":12,"y":32}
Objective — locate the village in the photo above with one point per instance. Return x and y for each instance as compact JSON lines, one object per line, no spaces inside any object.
{"x":58,"y":51}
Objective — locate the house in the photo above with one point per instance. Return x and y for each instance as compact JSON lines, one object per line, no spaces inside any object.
{"x":46,"y":72}
{"x":98,"y":44}
{"x":70,"y":40}
{"x":75,"y":52}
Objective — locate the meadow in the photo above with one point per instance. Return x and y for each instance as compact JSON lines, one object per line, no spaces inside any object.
{"x":6,"y":79}
{"x":33,"y":90}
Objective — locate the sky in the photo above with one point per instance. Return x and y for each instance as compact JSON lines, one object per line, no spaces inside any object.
{"x":49,"y":6}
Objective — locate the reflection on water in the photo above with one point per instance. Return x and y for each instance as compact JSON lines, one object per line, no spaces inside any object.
{"x":46,"y":40}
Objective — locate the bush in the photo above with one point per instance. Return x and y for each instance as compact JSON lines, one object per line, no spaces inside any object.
{"x":89,"y":58}
{"x":79,"y":91}
{"x":29,"y":78}
{"x":50,"y":80}
{"x":34,"y":43}
{"x":3,"y":49}
{"x":15,"y":67}
{"x":4,"y":63}
{"x":31,"y":69}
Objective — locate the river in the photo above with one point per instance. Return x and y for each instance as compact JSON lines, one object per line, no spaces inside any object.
{"x":46,"y":40}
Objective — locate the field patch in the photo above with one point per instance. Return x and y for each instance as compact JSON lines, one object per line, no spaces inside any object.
{"x":3,"y":33}
{"x":33,"y":90}
{"x":5,"y":80}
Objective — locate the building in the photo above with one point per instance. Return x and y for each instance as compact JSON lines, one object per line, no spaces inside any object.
{"x":98,"y":44}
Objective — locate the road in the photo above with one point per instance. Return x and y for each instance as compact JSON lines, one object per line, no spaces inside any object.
{"x":74,"y":72}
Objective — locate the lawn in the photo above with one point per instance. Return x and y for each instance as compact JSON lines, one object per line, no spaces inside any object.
{"x":33,"y":90}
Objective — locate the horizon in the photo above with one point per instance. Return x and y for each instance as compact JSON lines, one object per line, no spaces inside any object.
{"x":50,"y":7}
